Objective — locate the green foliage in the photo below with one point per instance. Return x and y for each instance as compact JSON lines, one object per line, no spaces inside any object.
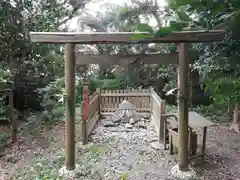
{"x":124,"y":176}
{"x":136,"y":37}
{"x":224,"y":89}
{"x":3,"y":139}
{"x":175,"y":26}
{"x":144,"y":27}
{"x":4,"y":109}
{"x":163,"y":32}
{"x":183,"y":16}
{"x":53,"y":94}
{"x":42,"y":168}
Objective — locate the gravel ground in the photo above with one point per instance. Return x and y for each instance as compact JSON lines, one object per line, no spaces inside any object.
{"x":124,"y":153}
{"x":129,"y":153}
{"x":223,"y":147}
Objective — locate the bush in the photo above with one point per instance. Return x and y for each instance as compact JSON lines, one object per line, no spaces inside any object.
{"x":3,"y":138}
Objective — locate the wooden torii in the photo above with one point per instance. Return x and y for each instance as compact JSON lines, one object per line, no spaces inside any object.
{"x":71,"y":38}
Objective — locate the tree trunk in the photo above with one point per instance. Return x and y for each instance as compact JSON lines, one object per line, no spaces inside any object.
{"x":236,"y":118}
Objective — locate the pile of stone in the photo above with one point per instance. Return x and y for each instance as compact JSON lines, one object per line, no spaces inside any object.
{"x":126,"y":114}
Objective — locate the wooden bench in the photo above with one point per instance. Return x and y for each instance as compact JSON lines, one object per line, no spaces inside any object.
{"x":195,"y":121}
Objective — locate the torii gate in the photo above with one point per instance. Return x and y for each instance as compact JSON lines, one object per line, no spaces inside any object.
{"x":71,"y":38}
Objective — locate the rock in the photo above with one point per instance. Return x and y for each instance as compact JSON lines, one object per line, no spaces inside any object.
{"x":141,"y":124}
{"x":67,"y":174}
{"x":156,"y":145}
{"x":132,"y":121}
{"x":125,"y":112}
{"x":108,"y":124}
{"x":116,"y":119}
{"x":128,"y":126}
{"x":11,"y":158}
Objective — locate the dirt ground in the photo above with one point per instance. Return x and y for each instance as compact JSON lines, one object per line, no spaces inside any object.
{"x":117,"y":153}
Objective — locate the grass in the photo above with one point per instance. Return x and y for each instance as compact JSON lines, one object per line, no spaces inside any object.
{"x":47,"y":168}
{"x":124,"y":176}
{"x":44,"y":168}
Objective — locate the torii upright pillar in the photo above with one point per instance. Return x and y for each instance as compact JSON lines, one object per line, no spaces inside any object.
{"x":69,"y":57}
{"x":183,"y":106}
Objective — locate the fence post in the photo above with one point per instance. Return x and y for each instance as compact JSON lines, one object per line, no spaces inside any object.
{"x":85,"y":112}
{"x":99,"y":101}
{"x":150,"y":101}
{"x":162,"y":119}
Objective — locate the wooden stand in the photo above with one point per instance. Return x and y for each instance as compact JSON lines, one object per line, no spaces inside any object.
{"x":174,"y":142}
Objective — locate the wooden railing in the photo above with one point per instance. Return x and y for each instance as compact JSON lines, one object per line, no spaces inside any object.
{"x":111,"y":99}
{"x":158,"y":107}
{"x":93,"y":112}
{"x":90,"y":115}
{"x":146,"y":102}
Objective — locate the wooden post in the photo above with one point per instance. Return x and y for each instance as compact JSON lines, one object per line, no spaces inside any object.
{"x":69,"y":57}
{"x":204,"y":142}
{"x":162,"y":127}
{"x":183,"y":106}
{"x":99,"y":101}
{"x":190,"y":89}
{"x":85,"y":112}
{"x":11,"y":116}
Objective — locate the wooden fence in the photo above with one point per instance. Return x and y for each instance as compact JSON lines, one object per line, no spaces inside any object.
{"x":104,"y":102}
{"x":158,"y":107}
{"x":111,"y":99}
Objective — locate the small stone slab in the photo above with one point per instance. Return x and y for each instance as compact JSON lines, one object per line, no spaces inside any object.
{"x":108,"y":124}
{"x":132,"y":121}
{"x":142,"y":125}
{"x":157,"y":145}
{"x":128,"y":126}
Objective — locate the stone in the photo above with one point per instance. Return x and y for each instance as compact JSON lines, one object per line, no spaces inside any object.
{"x":141,"y":124}
{"x":125,"y":113}
{"x":108,"y":124}
{"x":65,"y":174}
{"x":116,"y":119}
{"x":156,"y":145}
{"x":188,"y":175}
{"x":132,"y":121}
{"x":129,"y":126}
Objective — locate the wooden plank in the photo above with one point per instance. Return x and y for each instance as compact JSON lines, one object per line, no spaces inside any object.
{"x":156,"y":98}
{"x":196,"y":121}
{"x":110,"y":109}
{"x":91,"y":123}
{"x":125,"y":37}
{"x":139,"y":94}
{"x":171,"y":58}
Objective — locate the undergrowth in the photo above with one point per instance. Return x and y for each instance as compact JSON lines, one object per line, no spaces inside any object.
{"x":47,"y":167}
